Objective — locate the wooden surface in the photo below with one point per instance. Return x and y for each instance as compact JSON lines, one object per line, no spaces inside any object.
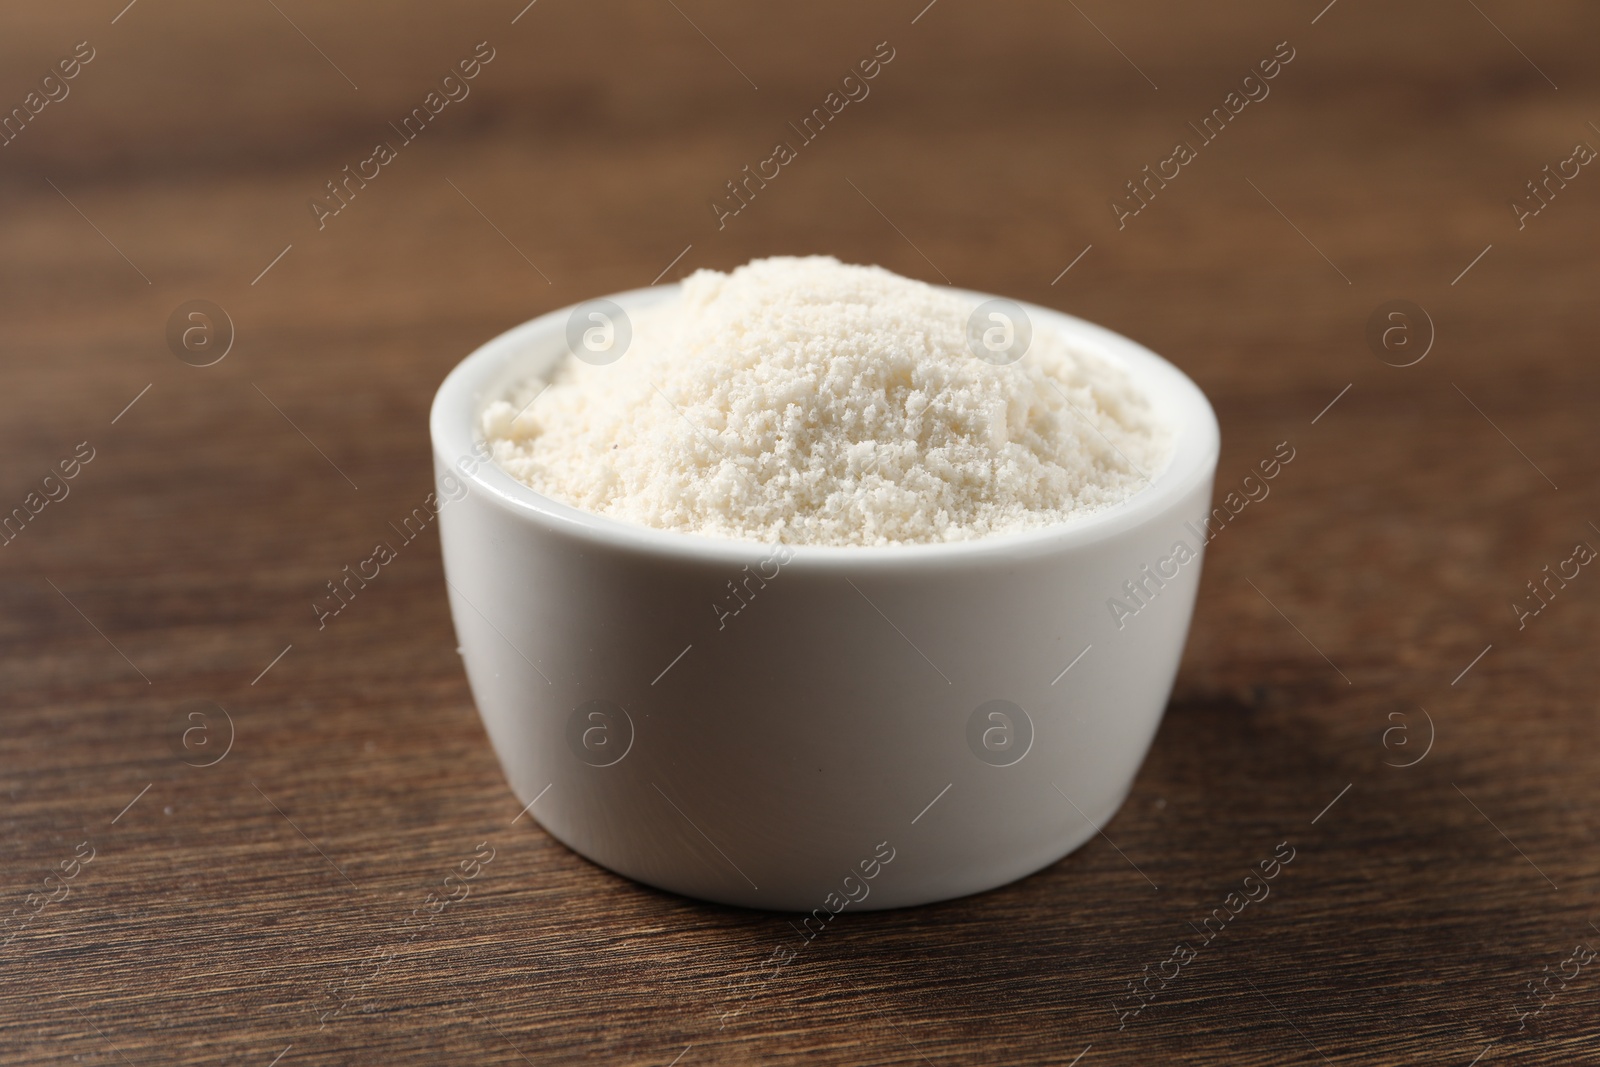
{"x":257,"y":908}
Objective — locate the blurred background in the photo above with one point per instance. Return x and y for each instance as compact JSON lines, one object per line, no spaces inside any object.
{"x":1360,"y":680}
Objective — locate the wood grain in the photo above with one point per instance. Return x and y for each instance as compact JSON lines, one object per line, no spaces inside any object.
{"x":258,"y":907}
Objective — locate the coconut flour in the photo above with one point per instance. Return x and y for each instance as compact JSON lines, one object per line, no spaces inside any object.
{"x":804,"y":401}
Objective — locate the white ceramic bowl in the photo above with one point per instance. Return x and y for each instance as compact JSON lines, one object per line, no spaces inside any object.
{"x":877,"y":727}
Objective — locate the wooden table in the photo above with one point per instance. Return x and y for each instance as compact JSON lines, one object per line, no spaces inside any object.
{"x":1357,"y":683}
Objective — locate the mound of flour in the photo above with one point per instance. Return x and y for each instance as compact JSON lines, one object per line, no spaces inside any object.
{"x":806,"y":401}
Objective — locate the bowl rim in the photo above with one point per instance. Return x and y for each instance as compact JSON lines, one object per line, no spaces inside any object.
{"x":454,"y":418}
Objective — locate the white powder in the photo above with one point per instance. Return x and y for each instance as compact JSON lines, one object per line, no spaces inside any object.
{"x":806,"y":401}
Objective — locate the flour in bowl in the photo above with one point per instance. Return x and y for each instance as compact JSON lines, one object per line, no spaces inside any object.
{"x":807,"y":401}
